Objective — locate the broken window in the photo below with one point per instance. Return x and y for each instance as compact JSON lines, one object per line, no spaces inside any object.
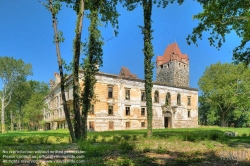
{"x":127,"y":94}
{"x":127,"y":124}
{"x":143,"y":124}
{"x":110,"y":92}
{"x":143,"y":111}
{"x":178,"y":99}
{"x":111,"y":125}
{"x":110,"y":110}
{"x":91,"y":110}
{"x":189,"y":100}
{"x":168,"y":99}
{"x":127,"y":110}
{"x":156,"y":97}
{"x":143,"y":96}
{"x":91,"y":125}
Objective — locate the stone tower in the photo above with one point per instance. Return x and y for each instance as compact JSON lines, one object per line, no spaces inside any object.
{"x":172,"y":68}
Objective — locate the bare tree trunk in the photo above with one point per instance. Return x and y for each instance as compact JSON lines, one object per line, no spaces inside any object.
{"x":77,"y":51}
{"x":66,"y":111}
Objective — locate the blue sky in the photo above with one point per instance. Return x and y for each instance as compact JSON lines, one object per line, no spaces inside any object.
{"x":26,"y":32}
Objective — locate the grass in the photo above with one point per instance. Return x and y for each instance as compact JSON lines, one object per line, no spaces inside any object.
{"x":196,"y":146}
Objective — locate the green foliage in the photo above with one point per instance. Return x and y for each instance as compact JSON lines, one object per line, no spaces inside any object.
{"x":220,"y":17}
{"x":225,"y":92}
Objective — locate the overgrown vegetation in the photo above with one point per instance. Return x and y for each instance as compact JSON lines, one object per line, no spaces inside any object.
{"x":201,"y":146}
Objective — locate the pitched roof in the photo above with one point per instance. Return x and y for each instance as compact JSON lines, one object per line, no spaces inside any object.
{"x":172,"y":52}
{"x":125,"y":72}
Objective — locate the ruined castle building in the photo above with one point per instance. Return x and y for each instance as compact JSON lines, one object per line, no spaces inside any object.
{"x":172,"y":68}
{"x":120,"y":100}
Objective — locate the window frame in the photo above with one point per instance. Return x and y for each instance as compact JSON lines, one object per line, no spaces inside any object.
{"x":189,"y":100}
{"x":144,"y":124}
{"x":156,"y":97}
{"x":127,"y":124}
{"x":112,"y":111}
{"x":168,"y":99}
{"x":110,"y":94}
{"x":143,"y":97}
{"x":127,"y":97}
{"x":178,"y":99}
{"x":92,"y":109}
{"x":144,"y":111}
{"x":127,"y":113}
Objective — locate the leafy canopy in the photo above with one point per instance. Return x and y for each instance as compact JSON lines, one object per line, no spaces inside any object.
{"x":219,"y":18}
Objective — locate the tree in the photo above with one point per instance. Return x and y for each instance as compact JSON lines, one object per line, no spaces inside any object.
{"x":33,"y":111}
{"x":225,"y":88}
{"x":54,"y":7}
{"x":12,"y":72}
{"x":220,"y":17}
{"x":148,"y":49}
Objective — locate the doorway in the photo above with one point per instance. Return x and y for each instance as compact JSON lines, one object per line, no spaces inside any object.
{"x":167,"y":122}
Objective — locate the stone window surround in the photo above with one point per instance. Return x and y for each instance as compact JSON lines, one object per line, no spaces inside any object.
{"x":127,"y":112}
{"x":110,"y":94}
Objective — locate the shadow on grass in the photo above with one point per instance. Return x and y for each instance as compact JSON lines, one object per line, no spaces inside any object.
{"x":120,"y":150}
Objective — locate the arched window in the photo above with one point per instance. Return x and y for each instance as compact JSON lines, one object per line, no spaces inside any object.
{"x":178,"y":99}
{"x":168,"y":99}
{"x":156,"y":97}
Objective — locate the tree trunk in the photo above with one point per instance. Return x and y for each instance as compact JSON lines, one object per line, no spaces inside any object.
{"x":2,"y":117}
{"x":11,"y":119}
{"x":77,"y":52}
{"x":148,"y":67}
{"x":223,"y":120}
{"x":65,"y":108}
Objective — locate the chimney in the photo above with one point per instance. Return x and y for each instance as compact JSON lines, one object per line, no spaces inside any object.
{"x":57,"y":78}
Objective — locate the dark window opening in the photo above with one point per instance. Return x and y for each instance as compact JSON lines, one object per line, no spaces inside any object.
{"x":110,"y":92}
{"x":178,"y":99}
{"x":168,"y":99}
{"x":189,"y":100}
{"x":110,"y":110}
{"x":143,"y":111}
{"x":127,"y":110}
{"x":156,"y":97}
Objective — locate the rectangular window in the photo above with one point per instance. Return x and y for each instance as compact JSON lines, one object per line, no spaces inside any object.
{"x":110,"y":110}
{"x":111,"y":125}
{"x":189,"y":101}
{"x":143,"y":124}
{"x":143,"y":96}
{"x":91,"y":125}
{"x":110,"y":92}
{"x":91,"y":110}
{"x":188,"y":113}
{"x":127,"y":124}
{"x":127,"y":110}
{"x":143,"y":111}
{"x":127,"y":94}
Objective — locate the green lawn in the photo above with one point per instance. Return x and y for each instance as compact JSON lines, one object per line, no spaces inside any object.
{"x":196,"y":146}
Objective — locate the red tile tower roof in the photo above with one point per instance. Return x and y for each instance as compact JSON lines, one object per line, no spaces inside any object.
{"x":125,"y":72}
{"x":172,"y":52}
